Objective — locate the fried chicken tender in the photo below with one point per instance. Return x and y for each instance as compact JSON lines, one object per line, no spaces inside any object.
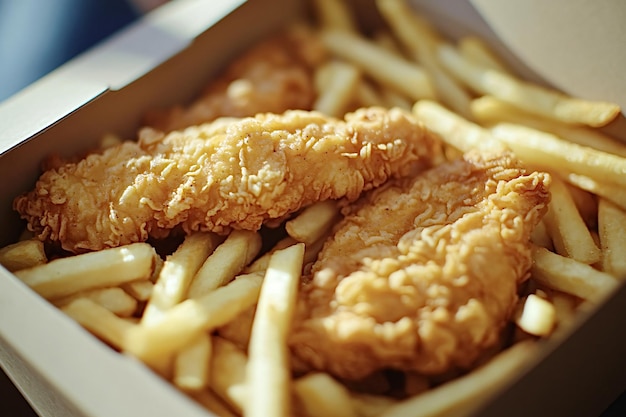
{"x":222,"y":176}
{"x":422,"y":274}
{"x":273,"y":76}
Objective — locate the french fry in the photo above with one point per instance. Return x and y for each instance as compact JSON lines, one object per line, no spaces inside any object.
{"x":238,"y":330}
{"x":156,"y":270}
{"x":262,"y":262}
{"x":367,"y":405}
{"x":366,"y":95}
{"x":461,"y":395}
{"x":177,"y":272}
{"x":382,"y":65}
{"x":191,"y":365}
{"x":611,"y":192}
{"x":452,"y":94}
{"x":586,"y":203}
{"x":537,"y":317}
{"x":99,"y":321}
{"x":453,"y":129}
{"x":228,"y":373}
{"x":570,"y":276}
{"x":489,"y":110}
{"x":477,"y":51}
{"x":268,"y":377}
{"x":334,"y":14}
{"x":313,"y":222}
{"x":106,"y":268}
{"x":546,"y":150}
{"x":566,"y":227}
{"x":386,"y":40}
{"x":23,"y":254}
{"x":528,"y":96}
{"x":151,"y":342}
{"x":564,"y":308}
{"x":323,"y":396}
{"x":611,"y":221}
{"x":421,"y":40}
{"x":540,"y":236}
{"x":140,"y":290}
{"x":228,"y":259}
{"x":337,"y":90}
{"x":311,"y":251}
{"x":113,"y":299}
{"x":392,"y":98}
{"x":417,"y":35}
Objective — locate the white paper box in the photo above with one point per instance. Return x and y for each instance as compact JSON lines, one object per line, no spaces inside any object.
{"x":166,"y":59}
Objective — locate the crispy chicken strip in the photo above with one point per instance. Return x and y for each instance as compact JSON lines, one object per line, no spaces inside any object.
{"x":422,"y":274}
{"x":222,"y":176}
{"x":273,"y":76}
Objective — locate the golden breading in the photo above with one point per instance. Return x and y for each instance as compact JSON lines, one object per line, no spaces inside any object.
{"x":422,"y":274}
{"x":222,"y":176}
{"x":275,"y":75}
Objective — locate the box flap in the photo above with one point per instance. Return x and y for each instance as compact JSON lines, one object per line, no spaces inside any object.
{"x":111,"y":65}
{"x":576,"y":45}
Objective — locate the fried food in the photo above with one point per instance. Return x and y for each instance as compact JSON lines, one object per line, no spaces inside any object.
{"x":275,"y":75}
{"x":223,"y":176}
{"x":422,"y":274}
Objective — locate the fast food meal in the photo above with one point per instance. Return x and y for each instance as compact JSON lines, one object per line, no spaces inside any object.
{"x":343,"y":223}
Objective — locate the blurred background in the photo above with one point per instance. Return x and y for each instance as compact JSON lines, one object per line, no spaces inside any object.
{"x":36,"y":36}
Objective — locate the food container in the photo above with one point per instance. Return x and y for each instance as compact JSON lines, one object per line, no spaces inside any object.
{"x":164,"y":59}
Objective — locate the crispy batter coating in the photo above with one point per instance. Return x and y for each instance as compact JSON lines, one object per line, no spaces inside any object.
{"x":224,"y":175}
{"x":422,"y":274}
{"x":273,"y":76}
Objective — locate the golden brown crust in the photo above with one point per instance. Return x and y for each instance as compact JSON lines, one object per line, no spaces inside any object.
{"x":273,"y":76}
{"x":224,"y":175}
{"x":422,"y":273}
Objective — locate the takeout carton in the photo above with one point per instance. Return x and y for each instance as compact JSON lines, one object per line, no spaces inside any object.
{"x":165,"y":59}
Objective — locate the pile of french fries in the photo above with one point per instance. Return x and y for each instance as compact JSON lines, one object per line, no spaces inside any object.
{"x":213,"y":317}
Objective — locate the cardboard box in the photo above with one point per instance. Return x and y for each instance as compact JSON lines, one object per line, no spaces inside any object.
{"x":165,"y":59}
